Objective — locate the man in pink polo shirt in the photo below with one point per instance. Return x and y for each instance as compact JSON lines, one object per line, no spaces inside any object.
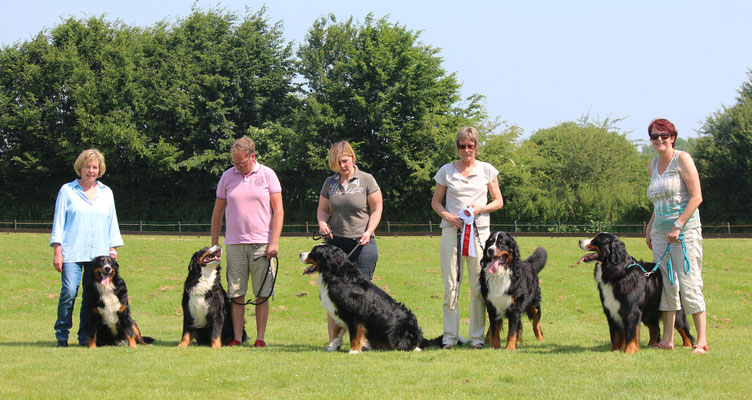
{"x":250,"y":197}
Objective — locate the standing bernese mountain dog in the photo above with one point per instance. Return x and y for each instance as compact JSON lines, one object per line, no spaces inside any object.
{"x":628,"y":294}
{"x":110,"y":321}
{"x":206,"y":307}
{"x":373,"y":319}
{"x":510,"y":287}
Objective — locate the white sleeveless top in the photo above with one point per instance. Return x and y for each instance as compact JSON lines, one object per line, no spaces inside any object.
{"x":669,"y":195}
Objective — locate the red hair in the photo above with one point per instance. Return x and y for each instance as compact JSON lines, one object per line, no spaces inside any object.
{"x":663,"y":125}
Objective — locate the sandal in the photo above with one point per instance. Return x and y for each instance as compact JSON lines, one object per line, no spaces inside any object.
{"x":478,"y":346}
{"x":700,"y":350}
{"x":662,"y":346}
{"x":446,"y":347}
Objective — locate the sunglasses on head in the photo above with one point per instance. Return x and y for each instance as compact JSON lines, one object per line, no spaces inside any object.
{"x":465,"y":146}
{"x":655,"y":136}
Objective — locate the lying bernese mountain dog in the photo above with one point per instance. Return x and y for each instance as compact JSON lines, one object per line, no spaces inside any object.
{"x":206,"y":307}
{"x":510,"y":287}
{"x":628,"y":296}
{"x":373,"y":319}
{"x":110,"y":321}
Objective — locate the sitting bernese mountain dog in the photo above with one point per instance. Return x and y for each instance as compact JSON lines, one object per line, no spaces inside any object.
{"x":510,"y":287}
{"x":373,"y":319}
{"x":110,"y":321}
{"x":206,"y":307}
{"x":628,"y":294}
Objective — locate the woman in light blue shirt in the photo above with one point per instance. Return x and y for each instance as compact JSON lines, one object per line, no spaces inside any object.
{"x":85,"y":226}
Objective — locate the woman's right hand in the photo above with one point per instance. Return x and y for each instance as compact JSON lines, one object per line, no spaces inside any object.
{"x":455,"y":221}
{"x":649,"y":241}
{"x":325,"y":231}
{"x":57,"y":258}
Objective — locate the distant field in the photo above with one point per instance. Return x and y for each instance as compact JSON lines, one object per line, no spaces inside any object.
{"x":573,"y":362}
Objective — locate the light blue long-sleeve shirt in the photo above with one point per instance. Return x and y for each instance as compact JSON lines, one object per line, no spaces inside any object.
{"x":85,"y":228}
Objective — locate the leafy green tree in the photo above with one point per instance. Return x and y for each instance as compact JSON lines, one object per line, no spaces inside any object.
{"x":724,"y":161}
{"x":376,"y":85}
{"x":576,"y":172}
{"x":164,"y":104}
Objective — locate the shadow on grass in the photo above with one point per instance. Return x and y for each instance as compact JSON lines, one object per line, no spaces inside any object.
{"x":548,"y":348}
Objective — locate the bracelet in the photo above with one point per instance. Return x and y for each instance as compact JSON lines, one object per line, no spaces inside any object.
{"x":113,"y":252}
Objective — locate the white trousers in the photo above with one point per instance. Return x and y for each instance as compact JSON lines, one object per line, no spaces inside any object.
{"x":689,"y":285}
{"x":451,"y":311}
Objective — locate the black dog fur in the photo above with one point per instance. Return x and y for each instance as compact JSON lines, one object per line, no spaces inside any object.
{"x":206,"y":307}
{"x":373,"y":319}
{"x":110,"y":321}
{"x":627,"y":295}
{"x":510,"y":287}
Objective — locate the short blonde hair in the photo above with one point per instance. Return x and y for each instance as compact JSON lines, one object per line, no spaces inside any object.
{"x":88,"y":156}
{"x":243,"y":145}
{"x":340,"y":149}
{"x":465,"y":133}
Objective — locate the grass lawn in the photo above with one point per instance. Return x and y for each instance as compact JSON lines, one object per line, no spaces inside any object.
{"x":573,"y":362}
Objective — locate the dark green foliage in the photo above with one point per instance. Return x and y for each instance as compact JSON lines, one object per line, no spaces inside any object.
{"x":163,"y":104}
{"x":724,"y":161}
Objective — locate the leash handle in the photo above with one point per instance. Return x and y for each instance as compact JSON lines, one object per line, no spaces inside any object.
{"x":274,"y":282}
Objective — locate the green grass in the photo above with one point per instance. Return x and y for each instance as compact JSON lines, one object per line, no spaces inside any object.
{"x":573,"y":362}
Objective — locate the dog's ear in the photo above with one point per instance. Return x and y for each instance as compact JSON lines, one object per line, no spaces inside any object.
{"x":617,"y":252}
{"x":513,"y":248}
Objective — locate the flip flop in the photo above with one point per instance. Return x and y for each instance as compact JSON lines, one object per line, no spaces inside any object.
{"x":662,"y":346}
{"x":700,"y":350}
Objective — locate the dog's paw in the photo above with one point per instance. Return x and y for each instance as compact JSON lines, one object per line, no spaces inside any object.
{"x":355,"y":352}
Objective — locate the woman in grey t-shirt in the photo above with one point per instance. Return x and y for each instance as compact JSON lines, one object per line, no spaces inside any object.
{"x":350,"y":206}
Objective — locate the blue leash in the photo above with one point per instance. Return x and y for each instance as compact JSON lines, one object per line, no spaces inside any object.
{"x":669,"y":266}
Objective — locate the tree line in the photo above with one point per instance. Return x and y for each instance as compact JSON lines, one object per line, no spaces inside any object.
{"x":164,"y":103}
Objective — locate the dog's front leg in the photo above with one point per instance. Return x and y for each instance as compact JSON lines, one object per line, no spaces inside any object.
{"x":357,"y":337}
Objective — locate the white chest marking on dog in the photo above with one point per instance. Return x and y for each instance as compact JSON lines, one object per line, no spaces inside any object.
{"x":111,"y":306}
{"x":197,"y":304}
{"x":610,"y":303}
{"x":498,"y":284}
{"x":331,"y":309}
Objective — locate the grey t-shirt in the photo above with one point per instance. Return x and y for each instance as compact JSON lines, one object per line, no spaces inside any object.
{"x":348,"y":204}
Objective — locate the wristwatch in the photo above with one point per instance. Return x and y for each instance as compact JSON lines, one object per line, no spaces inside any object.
{"x":677,"y":225}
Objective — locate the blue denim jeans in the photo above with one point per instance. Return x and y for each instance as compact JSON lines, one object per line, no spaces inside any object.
{"x":71,"y":277}
{"x":365,"y":257}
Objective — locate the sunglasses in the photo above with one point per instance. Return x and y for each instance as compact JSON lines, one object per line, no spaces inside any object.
{"x":465,"y":146}
{"x":655,"y":136}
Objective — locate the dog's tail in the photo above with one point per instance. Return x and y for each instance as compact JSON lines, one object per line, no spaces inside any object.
{"x":435,"y":342}
{"x":439,"y":341}
{"x":147,"y":339}
{"x":538,"y":259}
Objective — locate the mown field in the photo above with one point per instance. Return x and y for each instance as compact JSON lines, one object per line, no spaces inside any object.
{"x":573,"y":362}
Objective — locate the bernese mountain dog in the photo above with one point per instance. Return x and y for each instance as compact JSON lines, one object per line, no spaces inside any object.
{"x":373,"y":319}
{"x":110,"y":321}
{"x":206,"y":307}
{"x":628,"y":294}
{"x":509,"y":286}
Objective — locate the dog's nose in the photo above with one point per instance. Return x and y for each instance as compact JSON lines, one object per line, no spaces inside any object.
{"x":107,"y":269}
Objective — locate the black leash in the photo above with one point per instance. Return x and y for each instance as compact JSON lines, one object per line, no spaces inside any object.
{"x":318,"y":236}
{"x":271,"y":291}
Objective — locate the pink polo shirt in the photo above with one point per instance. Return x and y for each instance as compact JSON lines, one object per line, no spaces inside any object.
{"x":248,"y":215}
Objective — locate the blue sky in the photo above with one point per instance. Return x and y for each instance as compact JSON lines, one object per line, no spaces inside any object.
{"x":538,"y":63}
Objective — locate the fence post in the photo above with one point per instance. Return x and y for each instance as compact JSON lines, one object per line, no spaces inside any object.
{"x":180,"y":229}
{"x":558,"y":226}
{"x":430,"y":226}
{"x":644,"y":227}
{"x":306,"y":228}
{"x":15,"y":224}
{"x":729,"y":227}
{"x":515,"y":226}
{"x":389,"y":226}
{"x":140,"y":226}
{"x":600,"y":227}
